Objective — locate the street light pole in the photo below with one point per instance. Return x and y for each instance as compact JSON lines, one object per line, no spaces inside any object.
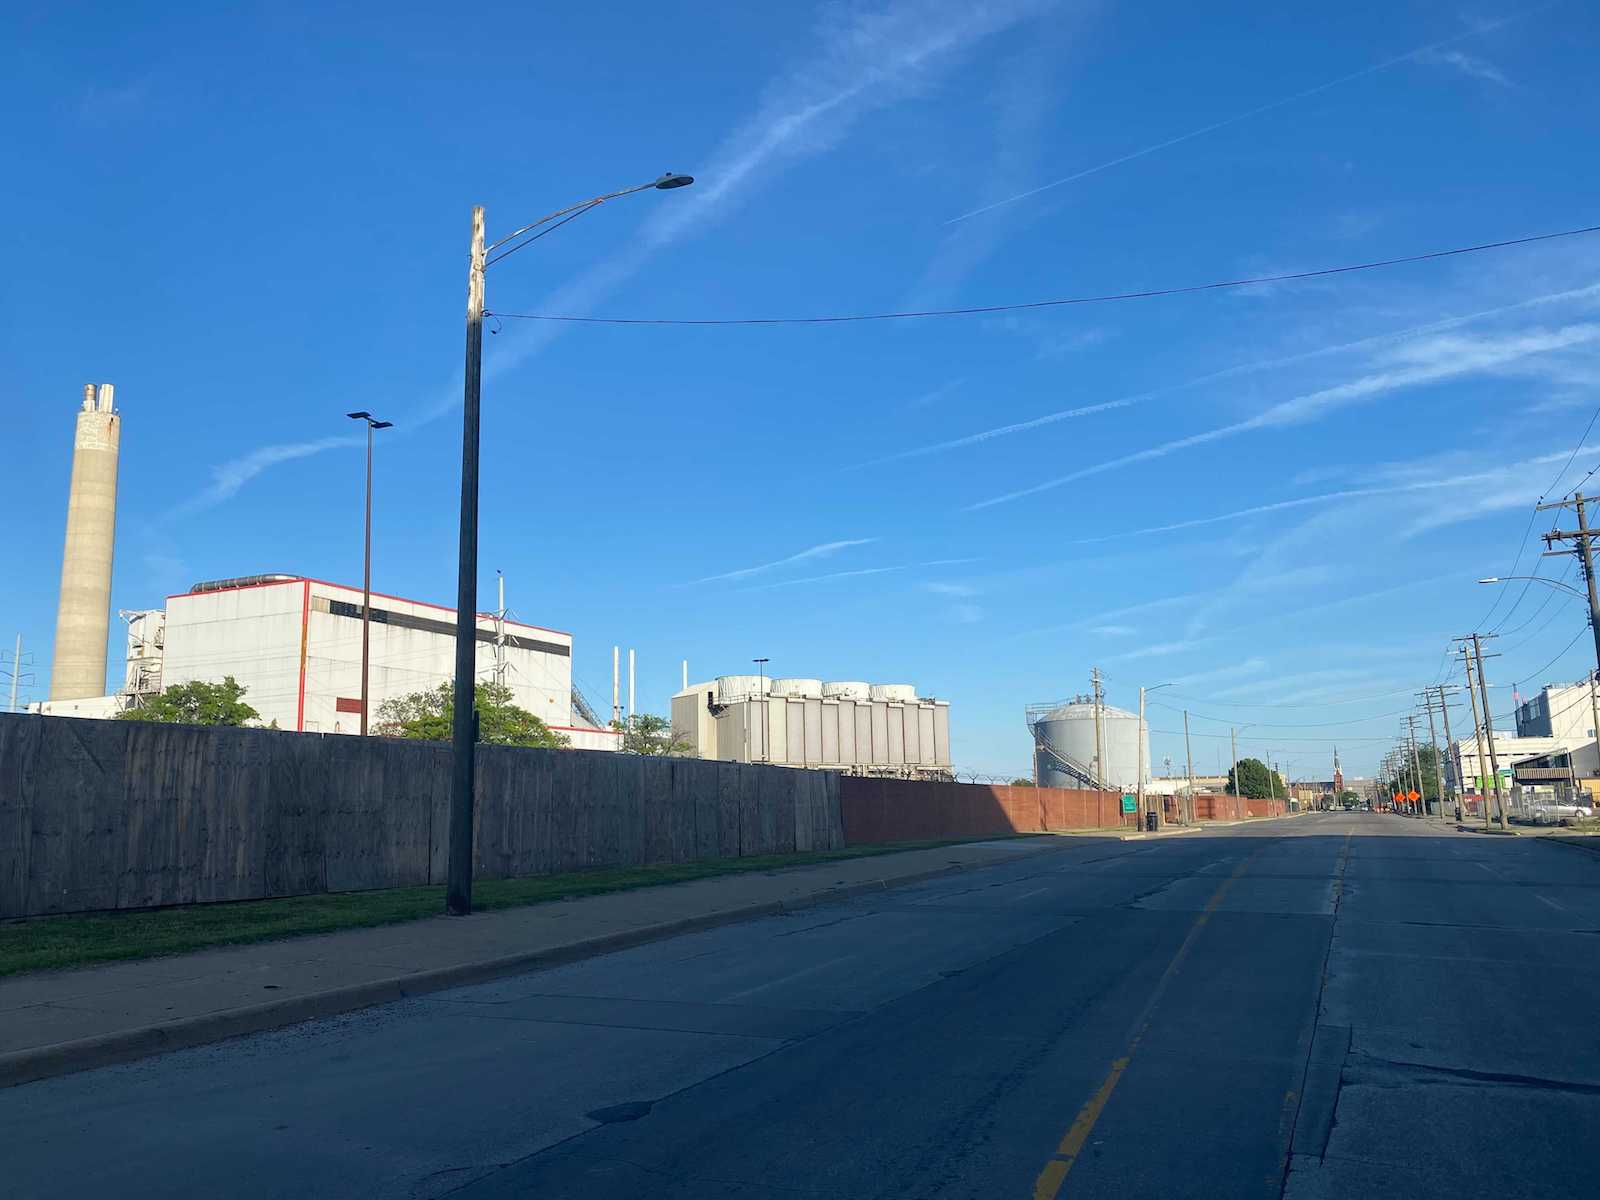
{"x":366,"y":564}
{"x":761,"y":696}
{"x":463,"y":733}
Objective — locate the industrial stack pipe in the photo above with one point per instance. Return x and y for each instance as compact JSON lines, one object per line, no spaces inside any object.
{"x":83,"y":619}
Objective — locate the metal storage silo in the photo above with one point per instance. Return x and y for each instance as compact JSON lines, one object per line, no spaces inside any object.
{"x":1064,"y":738}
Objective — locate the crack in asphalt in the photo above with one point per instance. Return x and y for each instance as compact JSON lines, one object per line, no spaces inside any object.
{"x":1426,"y":1073}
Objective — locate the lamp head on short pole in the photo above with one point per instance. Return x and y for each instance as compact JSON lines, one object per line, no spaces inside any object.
{"x":673,"y":180}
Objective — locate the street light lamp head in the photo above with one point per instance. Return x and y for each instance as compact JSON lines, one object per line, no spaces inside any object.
{"x":383,"y":424}
{"x":359,"y":416}
{"x":1491,"y":579}
{"x":673,"y":180}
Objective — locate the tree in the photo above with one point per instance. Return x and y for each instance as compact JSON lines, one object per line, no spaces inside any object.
{"x":196,"y":703}
{"x":430,"y":715}
{"x":647,"y":733}
{"x":1022,"y":783}
{"x":1259,"y":782}
{"x":1399,"y":775}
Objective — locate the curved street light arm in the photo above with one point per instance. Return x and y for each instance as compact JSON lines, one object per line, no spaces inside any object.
{"x":1555,"y":583}
{"x":667,"y":180}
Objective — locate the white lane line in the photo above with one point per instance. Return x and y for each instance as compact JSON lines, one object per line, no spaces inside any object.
{"x":1553,"y":904}
{"x":1036,"y":892}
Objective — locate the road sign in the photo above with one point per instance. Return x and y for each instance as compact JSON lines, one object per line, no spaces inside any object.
{"x":1413,"y":796}
{"x":1130,"y":804}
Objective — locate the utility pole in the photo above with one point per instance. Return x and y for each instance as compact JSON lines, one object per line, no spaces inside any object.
{"x":463,"y":734}
{"x":1138,"y":754}
{"x":1477,"y":728}
{"x":1486,"y":731}
{"x":1238,"y":785}
{"x":1416,"y":764}
{"x":1099,"y":745}
{"x":1583,"y":536}
{"x":1444,"y":711}
{"x":500,"y":631}
{"x":1433,"y":740}
{"x":1188,"y":789}
{"x":16,"y":672}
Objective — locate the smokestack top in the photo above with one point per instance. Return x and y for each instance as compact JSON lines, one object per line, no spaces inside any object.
{"x":103,"y":403}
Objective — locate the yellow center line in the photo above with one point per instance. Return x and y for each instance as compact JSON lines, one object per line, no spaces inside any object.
{"x":1054,"y":1174}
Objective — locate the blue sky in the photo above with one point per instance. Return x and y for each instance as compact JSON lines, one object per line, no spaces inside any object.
{"x":252,"y":221}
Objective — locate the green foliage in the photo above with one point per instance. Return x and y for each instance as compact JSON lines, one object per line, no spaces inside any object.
{"x":1399,"y":775}
{"x":1022,"y":783}
{"x":1260,"y":782}
{"x":647,"y":733}
{"x":196,"y":703}
{"x":1349,"y":797}
{"x":429,"y":715}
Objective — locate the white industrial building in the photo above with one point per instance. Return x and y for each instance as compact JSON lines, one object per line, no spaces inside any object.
{"x":294,"y":644}
{"x":858,"y":728}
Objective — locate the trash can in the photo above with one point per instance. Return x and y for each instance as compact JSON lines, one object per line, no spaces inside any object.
{"x":1150,"y":820}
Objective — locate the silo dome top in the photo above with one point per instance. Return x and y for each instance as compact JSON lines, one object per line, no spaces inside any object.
{"x":1083,"y":710}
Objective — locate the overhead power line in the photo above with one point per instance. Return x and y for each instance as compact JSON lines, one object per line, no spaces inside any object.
{"x":983,"y":310}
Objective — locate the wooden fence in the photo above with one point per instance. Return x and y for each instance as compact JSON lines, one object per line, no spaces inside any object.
{"x":124,"y":814}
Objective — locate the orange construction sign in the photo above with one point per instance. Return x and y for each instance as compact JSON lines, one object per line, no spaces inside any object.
{"x":1398,"y":797}
{"x":1413,"y":796}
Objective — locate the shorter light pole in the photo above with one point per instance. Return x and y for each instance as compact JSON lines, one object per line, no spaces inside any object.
{"x":761,"y":695}
{"x":1140,"y":753}
{"x":366,"y":562}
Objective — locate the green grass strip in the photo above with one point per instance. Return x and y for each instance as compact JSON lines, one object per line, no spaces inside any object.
{"x":45,"y":943}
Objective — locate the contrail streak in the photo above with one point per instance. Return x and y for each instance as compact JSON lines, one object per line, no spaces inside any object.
{"x":1255,"y":112}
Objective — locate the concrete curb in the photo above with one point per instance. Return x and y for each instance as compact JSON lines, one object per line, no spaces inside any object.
{"x":84,"y":1054}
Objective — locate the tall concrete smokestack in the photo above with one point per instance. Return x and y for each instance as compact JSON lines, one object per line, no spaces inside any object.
{"x":78,"y":667}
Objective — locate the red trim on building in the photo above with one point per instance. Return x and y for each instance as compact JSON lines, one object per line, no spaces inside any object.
{"x":347,"y":588}
{"x":305,"y":631}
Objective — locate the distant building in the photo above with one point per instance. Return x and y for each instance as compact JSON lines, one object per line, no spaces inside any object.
{"x":295,"y":645}
{"x":1561,"y":711}
{"x":859,"y":728}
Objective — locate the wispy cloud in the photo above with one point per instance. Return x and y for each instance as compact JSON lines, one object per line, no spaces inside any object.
{"x":820,"y":550}
{"x":1163,"y":649}
{"x":935,"y":395}
{"x":861,"y":61}
{"x":1477,"y":68}
{"x":1259,"y":110}
{"x":1112,"y":630}
{"x":858,"y":573}
{"x":230,"y":476}
{"x":1463,"y":359}
{"x":950,"y":589}
{"x":1579,"y":295}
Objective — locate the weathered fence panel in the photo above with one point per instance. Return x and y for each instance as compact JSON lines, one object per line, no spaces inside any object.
{"x":123,"y":814}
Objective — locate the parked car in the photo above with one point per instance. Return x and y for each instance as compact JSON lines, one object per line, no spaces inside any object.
{"x":1554,"y":814}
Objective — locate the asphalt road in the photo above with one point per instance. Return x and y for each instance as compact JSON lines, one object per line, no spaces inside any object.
{"x":1336,"y":1005}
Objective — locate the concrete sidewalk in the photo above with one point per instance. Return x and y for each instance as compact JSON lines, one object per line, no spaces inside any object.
{"x":56,"y":1022}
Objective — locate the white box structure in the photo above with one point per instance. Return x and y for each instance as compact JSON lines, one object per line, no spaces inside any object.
{"x":294,"y":643}
{"x":858,"y":728}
